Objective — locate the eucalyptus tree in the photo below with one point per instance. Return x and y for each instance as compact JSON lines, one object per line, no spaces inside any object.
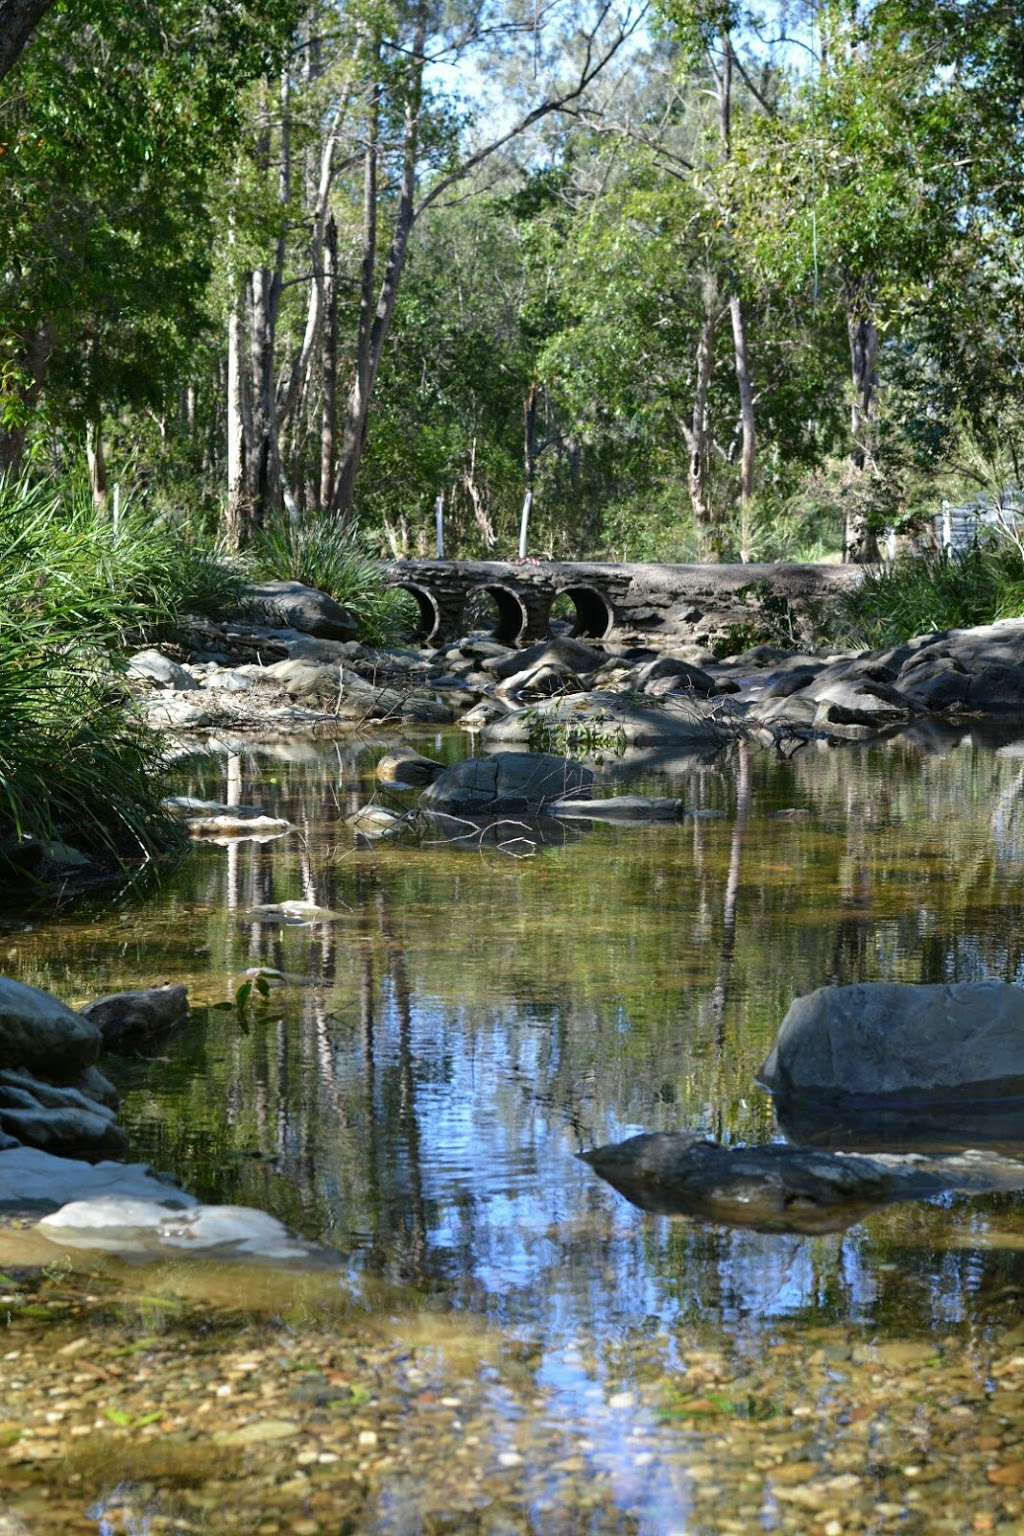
{"x":385,"y":137}
{"x":112,"y":122}
{"x":18,"y":20}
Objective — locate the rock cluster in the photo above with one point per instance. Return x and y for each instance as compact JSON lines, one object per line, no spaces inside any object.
{"x":287,"y":671}
{"x":59,"y":1130}
{"x":52,"y":1095}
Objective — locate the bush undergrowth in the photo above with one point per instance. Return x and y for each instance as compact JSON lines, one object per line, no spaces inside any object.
{"x":922,"y":593}
{"x":74,"y":762}
{"x":325,"y":552}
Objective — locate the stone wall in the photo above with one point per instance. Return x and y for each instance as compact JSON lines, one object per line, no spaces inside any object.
{"x":649,"y":604}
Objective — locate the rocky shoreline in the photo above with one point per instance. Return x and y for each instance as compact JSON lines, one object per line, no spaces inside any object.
{"x":292,"y":675}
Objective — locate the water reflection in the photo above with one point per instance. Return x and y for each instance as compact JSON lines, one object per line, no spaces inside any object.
{"x":417,"y":1088}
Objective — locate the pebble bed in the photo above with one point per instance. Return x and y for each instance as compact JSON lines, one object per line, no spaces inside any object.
{"x":196,"y":1398}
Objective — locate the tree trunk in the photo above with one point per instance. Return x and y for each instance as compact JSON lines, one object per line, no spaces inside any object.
{"x":860,"y":539}
{"x":357,"y":409}
{"x":328,"y":449}
{"x":238,"y":511}
{"x":97,"y":463}
{"x":746,"y":391}
{"x":18,"y":20}
{"x":371,"y":341}
{"x":263,"y":481}
{"x":699,"y":435}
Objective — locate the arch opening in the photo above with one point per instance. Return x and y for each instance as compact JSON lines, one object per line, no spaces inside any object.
{"x":428,"y":627}
{"x":591,"y":615}
{"x":498,"y":609}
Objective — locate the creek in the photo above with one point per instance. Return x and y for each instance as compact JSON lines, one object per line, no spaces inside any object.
{"x":502,"y":1343}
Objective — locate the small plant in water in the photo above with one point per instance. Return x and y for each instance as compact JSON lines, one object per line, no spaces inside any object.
{"x":244,"y":1002}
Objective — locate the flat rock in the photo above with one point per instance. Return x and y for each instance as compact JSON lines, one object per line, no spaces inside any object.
{"x":506,"y":783}
{"x":778,"y":1188}
{"x":607,"y":721}
{"x":30,"y":1176}
{"x":634,"y":808}
{"x":140,"y":1226}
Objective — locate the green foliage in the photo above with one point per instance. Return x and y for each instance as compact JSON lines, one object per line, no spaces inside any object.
{"x":918,"y":594}
{"x":68,"y":570}
{"x":328,"y":553}
{"x":110,"y":127}
{"x":74,"y":763}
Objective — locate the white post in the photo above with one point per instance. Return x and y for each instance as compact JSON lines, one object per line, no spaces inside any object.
{"x":947,"y":526}
{"x":525,"y":524}
{"x":439,"y":522}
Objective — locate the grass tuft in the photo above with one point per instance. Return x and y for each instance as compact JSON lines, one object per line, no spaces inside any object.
{"x":325,"y":552}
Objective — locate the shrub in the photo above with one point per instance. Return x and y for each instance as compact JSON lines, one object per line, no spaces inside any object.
{"x":920,"y":594}
{"x":74,"y":762}
{"x":328,"y":553}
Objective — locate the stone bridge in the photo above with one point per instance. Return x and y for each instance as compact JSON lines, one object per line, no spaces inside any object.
{"x":626,"y":604}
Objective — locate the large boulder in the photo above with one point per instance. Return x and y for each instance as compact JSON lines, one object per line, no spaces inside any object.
{"x":875,"y":1043}
{"x":294,"y":606}
{"x":41,"y":1033}
{"x":509,"y":783}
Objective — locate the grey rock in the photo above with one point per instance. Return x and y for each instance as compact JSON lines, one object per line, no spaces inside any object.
{"x":507,"y":783}
{"x":792,"y":682}
{"x":860,"y":702}
{"x":303,"y":679}
{"x":40,"y":1033}
{"x":20,"y":1090}
{"x":128,"y":1019}
{"x":682,"y":675}
{"x":484,"y":713}
{"x":608,"y":721}
{"x":622,"y":808}
{"x":172,"y":712}
{"x":231,"y":679}
{"x":573,"y":654}
{"x":96,"y":1085}
{"x":294,"y":606}
{"x":936,"y":683}
{"x":29,"y":1176}
{"x":778,"y":1188}
{"x":874,"y":1042}
{"x":68,"y":1132}
{"x":407,"y":768}
{"x":543,"y":681}
{"x":157,"y":668}
{"x":375,"y":822}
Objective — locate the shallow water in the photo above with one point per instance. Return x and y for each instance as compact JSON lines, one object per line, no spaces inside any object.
{"x":467,"y":1021}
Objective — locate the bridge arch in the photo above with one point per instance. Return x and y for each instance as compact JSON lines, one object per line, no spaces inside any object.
{"x":594,"y":614}
{"x":431,"y":621}
{"x":513,"y":616}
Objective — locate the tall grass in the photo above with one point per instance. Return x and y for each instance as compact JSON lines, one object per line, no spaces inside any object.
{"x":921,"y":594}
{"x":328,"y":553}
{"x":74,"y":762}
{"x":66,"y":565}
